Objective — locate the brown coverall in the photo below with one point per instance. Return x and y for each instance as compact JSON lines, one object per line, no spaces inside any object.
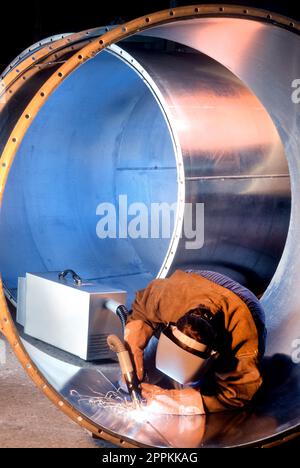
{"x":238,"y":377}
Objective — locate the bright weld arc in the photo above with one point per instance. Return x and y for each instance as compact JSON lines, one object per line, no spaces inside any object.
{"x":114,"y":402}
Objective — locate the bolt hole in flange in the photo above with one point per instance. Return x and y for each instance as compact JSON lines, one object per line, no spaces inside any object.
{"x":174,"y":114}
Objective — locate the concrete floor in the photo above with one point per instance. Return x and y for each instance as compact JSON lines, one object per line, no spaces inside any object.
{"x":27,"y":418}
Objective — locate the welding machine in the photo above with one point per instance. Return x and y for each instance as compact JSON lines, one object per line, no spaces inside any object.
{"x":70,"y":313}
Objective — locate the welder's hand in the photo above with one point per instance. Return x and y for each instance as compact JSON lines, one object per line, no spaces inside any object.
{"x":137,"y":335}
{"x":181,"y":402}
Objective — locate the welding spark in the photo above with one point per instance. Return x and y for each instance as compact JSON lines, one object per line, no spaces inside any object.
{"x":120,"y":406}
{"x":112,"y":400}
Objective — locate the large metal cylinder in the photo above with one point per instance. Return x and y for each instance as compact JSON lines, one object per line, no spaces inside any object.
{"x":191,"y":105}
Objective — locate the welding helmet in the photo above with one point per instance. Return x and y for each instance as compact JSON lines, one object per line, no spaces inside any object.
{"x":183,"y":358}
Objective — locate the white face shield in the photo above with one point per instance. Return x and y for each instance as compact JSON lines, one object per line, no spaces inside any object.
{"x":182,"y":358}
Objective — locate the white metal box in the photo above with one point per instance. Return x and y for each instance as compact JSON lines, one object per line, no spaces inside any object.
{"x":71,"y":317}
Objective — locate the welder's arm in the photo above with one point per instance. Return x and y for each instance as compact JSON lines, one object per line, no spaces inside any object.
{"x":237,"y":388}
{"x":141,"y":325}
{"x":183,"y":402}
{"x":238,"y":379}
{"x":234,"y":390}
{"x":137,"y":335}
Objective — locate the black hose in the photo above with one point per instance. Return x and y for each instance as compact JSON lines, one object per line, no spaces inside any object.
{"x":122,"y":312}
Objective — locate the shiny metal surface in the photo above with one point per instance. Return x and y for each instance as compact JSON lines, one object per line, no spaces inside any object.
{"x":107,"y":166}
{"x":271,"y":415}
{"x":24,"y":76}
{"x":229,"y":147}
{"x":254,"y":52}
{"x":234,"y":163}
{"x":211,"y":123}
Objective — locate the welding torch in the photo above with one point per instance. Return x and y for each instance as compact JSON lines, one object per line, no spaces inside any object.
{"x":127,"y":369}
{"x":117,"y":346}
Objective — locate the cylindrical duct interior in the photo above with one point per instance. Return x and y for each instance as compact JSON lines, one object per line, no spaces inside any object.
{"x":115,"y":150}
{"x":181,"y":115}
{"x":118,"y":149}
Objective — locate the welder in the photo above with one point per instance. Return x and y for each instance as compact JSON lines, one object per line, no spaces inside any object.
{"x":207,"y":333}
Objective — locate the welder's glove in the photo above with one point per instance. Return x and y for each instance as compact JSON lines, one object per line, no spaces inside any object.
{"x":137,"y":335}
{"x":180,"y":402}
